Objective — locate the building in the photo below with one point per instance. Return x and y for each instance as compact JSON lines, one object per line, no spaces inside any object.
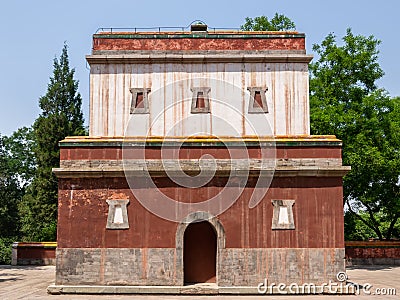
{"x":199,"y":168}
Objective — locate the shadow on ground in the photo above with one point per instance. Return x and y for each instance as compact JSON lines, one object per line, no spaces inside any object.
{"x":372,"y":267}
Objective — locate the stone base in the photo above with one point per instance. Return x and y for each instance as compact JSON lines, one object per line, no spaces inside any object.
{"x":372,"y":261}
{"x":198,"y":289}
{"x":164,"y":266}
{"x":34,"y":262}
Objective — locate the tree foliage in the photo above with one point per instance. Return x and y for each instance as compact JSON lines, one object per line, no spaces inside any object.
{"x":21,"y":160}
{"x":346,"y":101}
{"x":10,"y":194}
{"x":356,"y":230}
{"x":16,"y":169}
{"x":61,"y":116}
{"x":262,"y":23}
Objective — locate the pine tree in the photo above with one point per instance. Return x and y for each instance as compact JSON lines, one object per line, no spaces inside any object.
{"x":61,"y":116}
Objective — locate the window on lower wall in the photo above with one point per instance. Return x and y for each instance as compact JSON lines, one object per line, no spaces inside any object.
{"x":140,"y":100}
{"x":282,"y":217}
{"x":258,"y":100}
{"x":200,"y":100}
{"x":117,"y":214}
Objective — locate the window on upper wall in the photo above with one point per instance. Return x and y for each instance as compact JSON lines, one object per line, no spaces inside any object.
{"x":140,"y":100}
{"x":200,"y":100}
{"x":258,"y":100}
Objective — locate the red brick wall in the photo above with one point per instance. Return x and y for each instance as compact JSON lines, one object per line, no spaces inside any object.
{"x":373,"y":249}
{"x":36,"y":253}
{"x":318,"y":214}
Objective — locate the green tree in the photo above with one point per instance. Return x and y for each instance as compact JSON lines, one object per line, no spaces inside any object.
{"x":21,"y":160}
{"x":262,"y":23}
{"x":356,"y":230}
{"x":10,"y":194}
{"x":16,"y":169}
{"x":345,"y":101}
{"x":61,"y":116}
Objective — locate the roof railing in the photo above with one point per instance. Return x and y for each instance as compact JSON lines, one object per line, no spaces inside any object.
{"x":160,"y":29}
{"x":164,"y":28}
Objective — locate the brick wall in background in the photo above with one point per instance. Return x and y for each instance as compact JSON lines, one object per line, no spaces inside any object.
{"x":373,"y":253}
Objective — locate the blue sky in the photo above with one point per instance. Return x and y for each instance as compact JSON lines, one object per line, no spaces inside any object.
{"x":33,"y":33}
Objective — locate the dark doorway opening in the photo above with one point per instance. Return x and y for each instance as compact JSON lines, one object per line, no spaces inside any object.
{"x":200,"y":253}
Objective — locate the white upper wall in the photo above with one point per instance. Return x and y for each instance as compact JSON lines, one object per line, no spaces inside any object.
{"x":171,"y":97}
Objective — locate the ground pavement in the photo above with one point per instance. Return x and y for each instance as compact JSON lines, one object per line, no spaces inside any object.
{"x":29,"y":282}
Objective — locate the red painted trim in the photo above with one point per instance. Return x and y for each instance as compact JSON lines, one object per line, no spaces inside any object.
{"x":100,"y":153}
{"x":199,"y":44}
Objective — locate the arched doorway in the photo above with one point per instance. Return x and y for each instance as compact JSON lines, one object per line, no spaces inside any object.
{"x":200,"y":253}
